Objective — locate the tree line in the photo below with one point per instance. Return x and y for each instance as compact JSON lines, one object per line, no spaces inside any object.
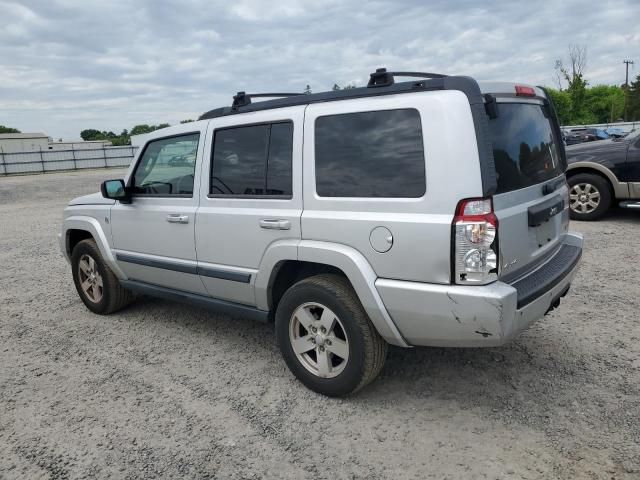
{"x":577,"y":103}
{"x":124,"y":138}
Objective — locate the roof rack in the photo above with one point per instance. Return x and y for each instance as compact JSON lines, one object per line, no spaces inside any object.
{"x":381,"y":82}
{"x":382,"y":78}
{"x":242,"y":99}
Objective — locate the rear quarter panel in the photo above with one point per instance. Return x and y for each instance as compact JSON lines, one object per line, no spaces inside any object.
{"x":421,"y":227}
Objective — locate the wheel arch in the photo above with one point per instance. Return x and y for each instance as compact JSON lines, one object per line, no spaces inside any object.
{"x":78,"y":228}
{"x":289,"y":262}
{"x":618,"y":189}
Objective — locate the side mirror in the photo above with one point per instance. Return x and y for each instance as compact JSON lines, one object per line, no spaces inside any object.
{"x":115,"y":190}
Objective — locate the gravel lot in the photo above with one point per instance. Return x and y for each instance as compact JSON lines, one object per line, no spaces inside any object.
{"x":167,"y":390}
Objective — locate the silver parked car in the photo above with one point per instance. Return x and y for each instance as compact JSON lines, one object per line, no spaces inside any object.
{"x":424,"y":212}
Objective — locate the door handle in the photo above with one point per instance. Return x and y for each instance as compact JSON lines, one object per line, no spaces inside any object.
{"x":177,"y":218}
{"x":275,"y":224}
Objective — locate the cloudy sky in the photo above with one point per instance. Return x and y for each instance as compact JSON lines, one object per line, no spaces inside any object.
{"x":66,"y":65}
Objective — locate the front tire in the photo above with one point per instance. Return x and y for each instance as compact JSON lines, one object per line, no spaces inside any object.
{"x":326,"y":338}
{"x":589,"y":196}
{"x":97,"y":286}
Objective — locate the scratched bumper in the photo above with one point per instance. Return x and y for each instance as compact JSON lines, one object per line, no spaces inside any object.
{"x":468,"y":316}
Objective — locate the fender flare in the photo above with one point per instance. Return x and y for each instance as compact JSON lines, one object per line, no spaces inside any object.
{"x":620,"y":189}
{"x":91,"y":225}
{"x":354,"y":265}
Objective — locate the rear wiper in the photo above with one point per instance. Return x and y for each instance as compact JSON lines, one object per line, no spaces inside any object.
{"x":490,"y":106}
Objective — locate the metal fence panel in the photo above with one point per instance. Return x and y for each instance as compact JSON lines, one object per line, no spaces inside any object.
{"x":53,"y":160}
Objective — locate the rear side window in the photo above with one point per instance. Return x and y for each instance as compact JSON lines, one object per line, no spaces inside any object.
{"x":525,"y":148}
{"x":252,"y":161}
{"x":370,"y":154}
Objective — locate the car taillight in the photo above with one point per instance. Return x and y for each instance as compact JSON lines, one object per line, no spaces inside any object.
{"x":475,"y":230}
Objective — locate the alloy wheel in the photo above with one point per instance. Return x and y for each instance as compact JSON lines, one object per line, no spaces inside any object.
{"x":584,"y":198}
{"x":319,"y":340}
{"x":90,"y":278}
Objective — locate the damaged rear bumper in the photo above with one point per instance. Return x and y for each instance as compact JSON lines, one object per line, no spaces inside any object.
{"x":479,"y":316}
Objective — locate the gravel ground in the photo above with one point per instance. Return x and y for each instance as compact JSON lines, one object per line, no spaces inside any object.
{"x":167,"y":390}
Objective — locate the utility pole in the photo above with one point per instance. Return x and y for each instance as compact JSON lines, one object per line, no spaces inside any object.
{"x":626,"y":77}
{"x":626,"y":85}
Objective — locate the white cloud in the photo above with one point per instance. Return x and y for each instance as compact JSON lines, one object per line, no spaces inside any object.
{"x":75,"y":64}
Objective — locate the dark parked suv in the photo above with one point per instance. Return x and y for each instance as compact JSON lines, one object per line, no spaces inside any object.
{"x":601,"y":172}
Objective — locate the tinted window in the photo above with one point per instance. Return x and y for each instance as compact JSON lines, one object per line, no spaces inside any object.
{"x":370,"y":154}
{"x":253,"y":160}
{"x":279,"y":164}
{"x":167,"y":166}
{"x":525,"y":149}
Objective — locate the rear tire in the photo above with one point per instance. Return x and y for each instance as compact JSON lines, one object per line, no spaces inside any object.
{"x":98,"y":287}
{"x":337,"y":349}
{"x":590,"y":196}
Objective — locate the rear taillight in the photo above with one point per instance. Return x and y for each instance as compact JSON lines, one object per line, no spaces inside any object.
{"x":475,"y":230}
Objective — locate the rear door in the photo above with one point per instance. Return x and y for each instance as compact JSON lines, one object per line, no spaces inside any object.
{"x":251,"y":197}
{"x":531,"y":198}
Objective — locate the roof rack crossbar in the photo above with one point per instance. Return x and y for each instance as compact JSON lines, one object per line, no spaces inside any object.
{"x":242,"y":99}
{"x":382,"y":78}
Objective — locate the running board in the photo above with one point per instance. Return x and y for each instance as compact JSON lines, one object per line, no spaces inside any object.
{"x":222,"y":306}
{"x":630,"y":204}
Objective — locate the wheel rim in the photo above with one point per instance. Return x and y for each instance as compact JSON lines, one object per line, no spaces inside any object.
{"x":319,"y":340}
{"x":584,"y":198}
{"x":90,"y":279}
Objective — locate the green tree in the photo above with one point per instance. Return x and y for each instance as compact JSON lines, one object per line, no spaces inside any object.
{"x":188,"y":120}
{"x":576,"y":84}
{"x":633,"y":100}
{"x":605,"y":103}
{"x":562,"y":104}
{"x":4,"y":129}
{"x":346,"y":87}
{"x":144,"y":128}
{"x":91,"y":134}
{"x":141,"y":129}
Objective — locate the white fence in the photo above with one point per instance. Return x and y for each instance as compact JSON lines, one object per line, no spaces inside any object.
{"x":52,"y":160}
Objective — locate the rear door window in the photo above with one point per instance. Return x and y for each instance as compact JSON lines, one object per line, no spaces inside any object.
{"x":525,"y":147}
{"x":253,"y":160}
{"x":370,"y":154}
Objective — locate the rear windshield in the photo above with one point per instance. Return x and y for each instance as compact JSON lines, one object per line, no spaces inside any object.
{"x":525,"y":148}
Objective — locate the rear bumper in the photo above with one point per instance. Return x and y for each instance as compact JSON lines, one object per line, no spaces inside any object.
{"x":477,"y":316}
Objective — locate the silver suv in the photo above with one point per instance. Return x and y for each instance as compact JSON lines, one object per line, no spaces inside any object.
{"x":424,"y":212}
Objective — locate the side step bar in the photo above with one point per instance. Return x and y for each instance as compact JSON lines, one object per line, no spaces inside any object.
{"x":630,"y":204}
{"x":222,"y":306}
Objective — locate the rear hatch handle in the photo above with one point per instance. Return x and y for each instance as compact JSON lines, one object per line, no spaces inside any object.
{"x":553,"y":185}
{"x":542,"y":212}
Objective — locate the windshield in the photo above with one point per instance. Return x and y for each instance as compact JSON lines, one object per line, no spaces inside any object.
{"x":525,"y":148}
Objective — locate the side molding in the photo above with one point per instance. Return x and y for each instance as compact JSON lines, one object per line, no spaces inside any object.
{"x":222,"y":306}
{"x":620,"y":189}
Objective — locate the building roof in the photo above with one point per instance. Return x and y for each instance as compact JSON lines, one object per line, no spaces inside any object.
{"x":20,"y":136}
